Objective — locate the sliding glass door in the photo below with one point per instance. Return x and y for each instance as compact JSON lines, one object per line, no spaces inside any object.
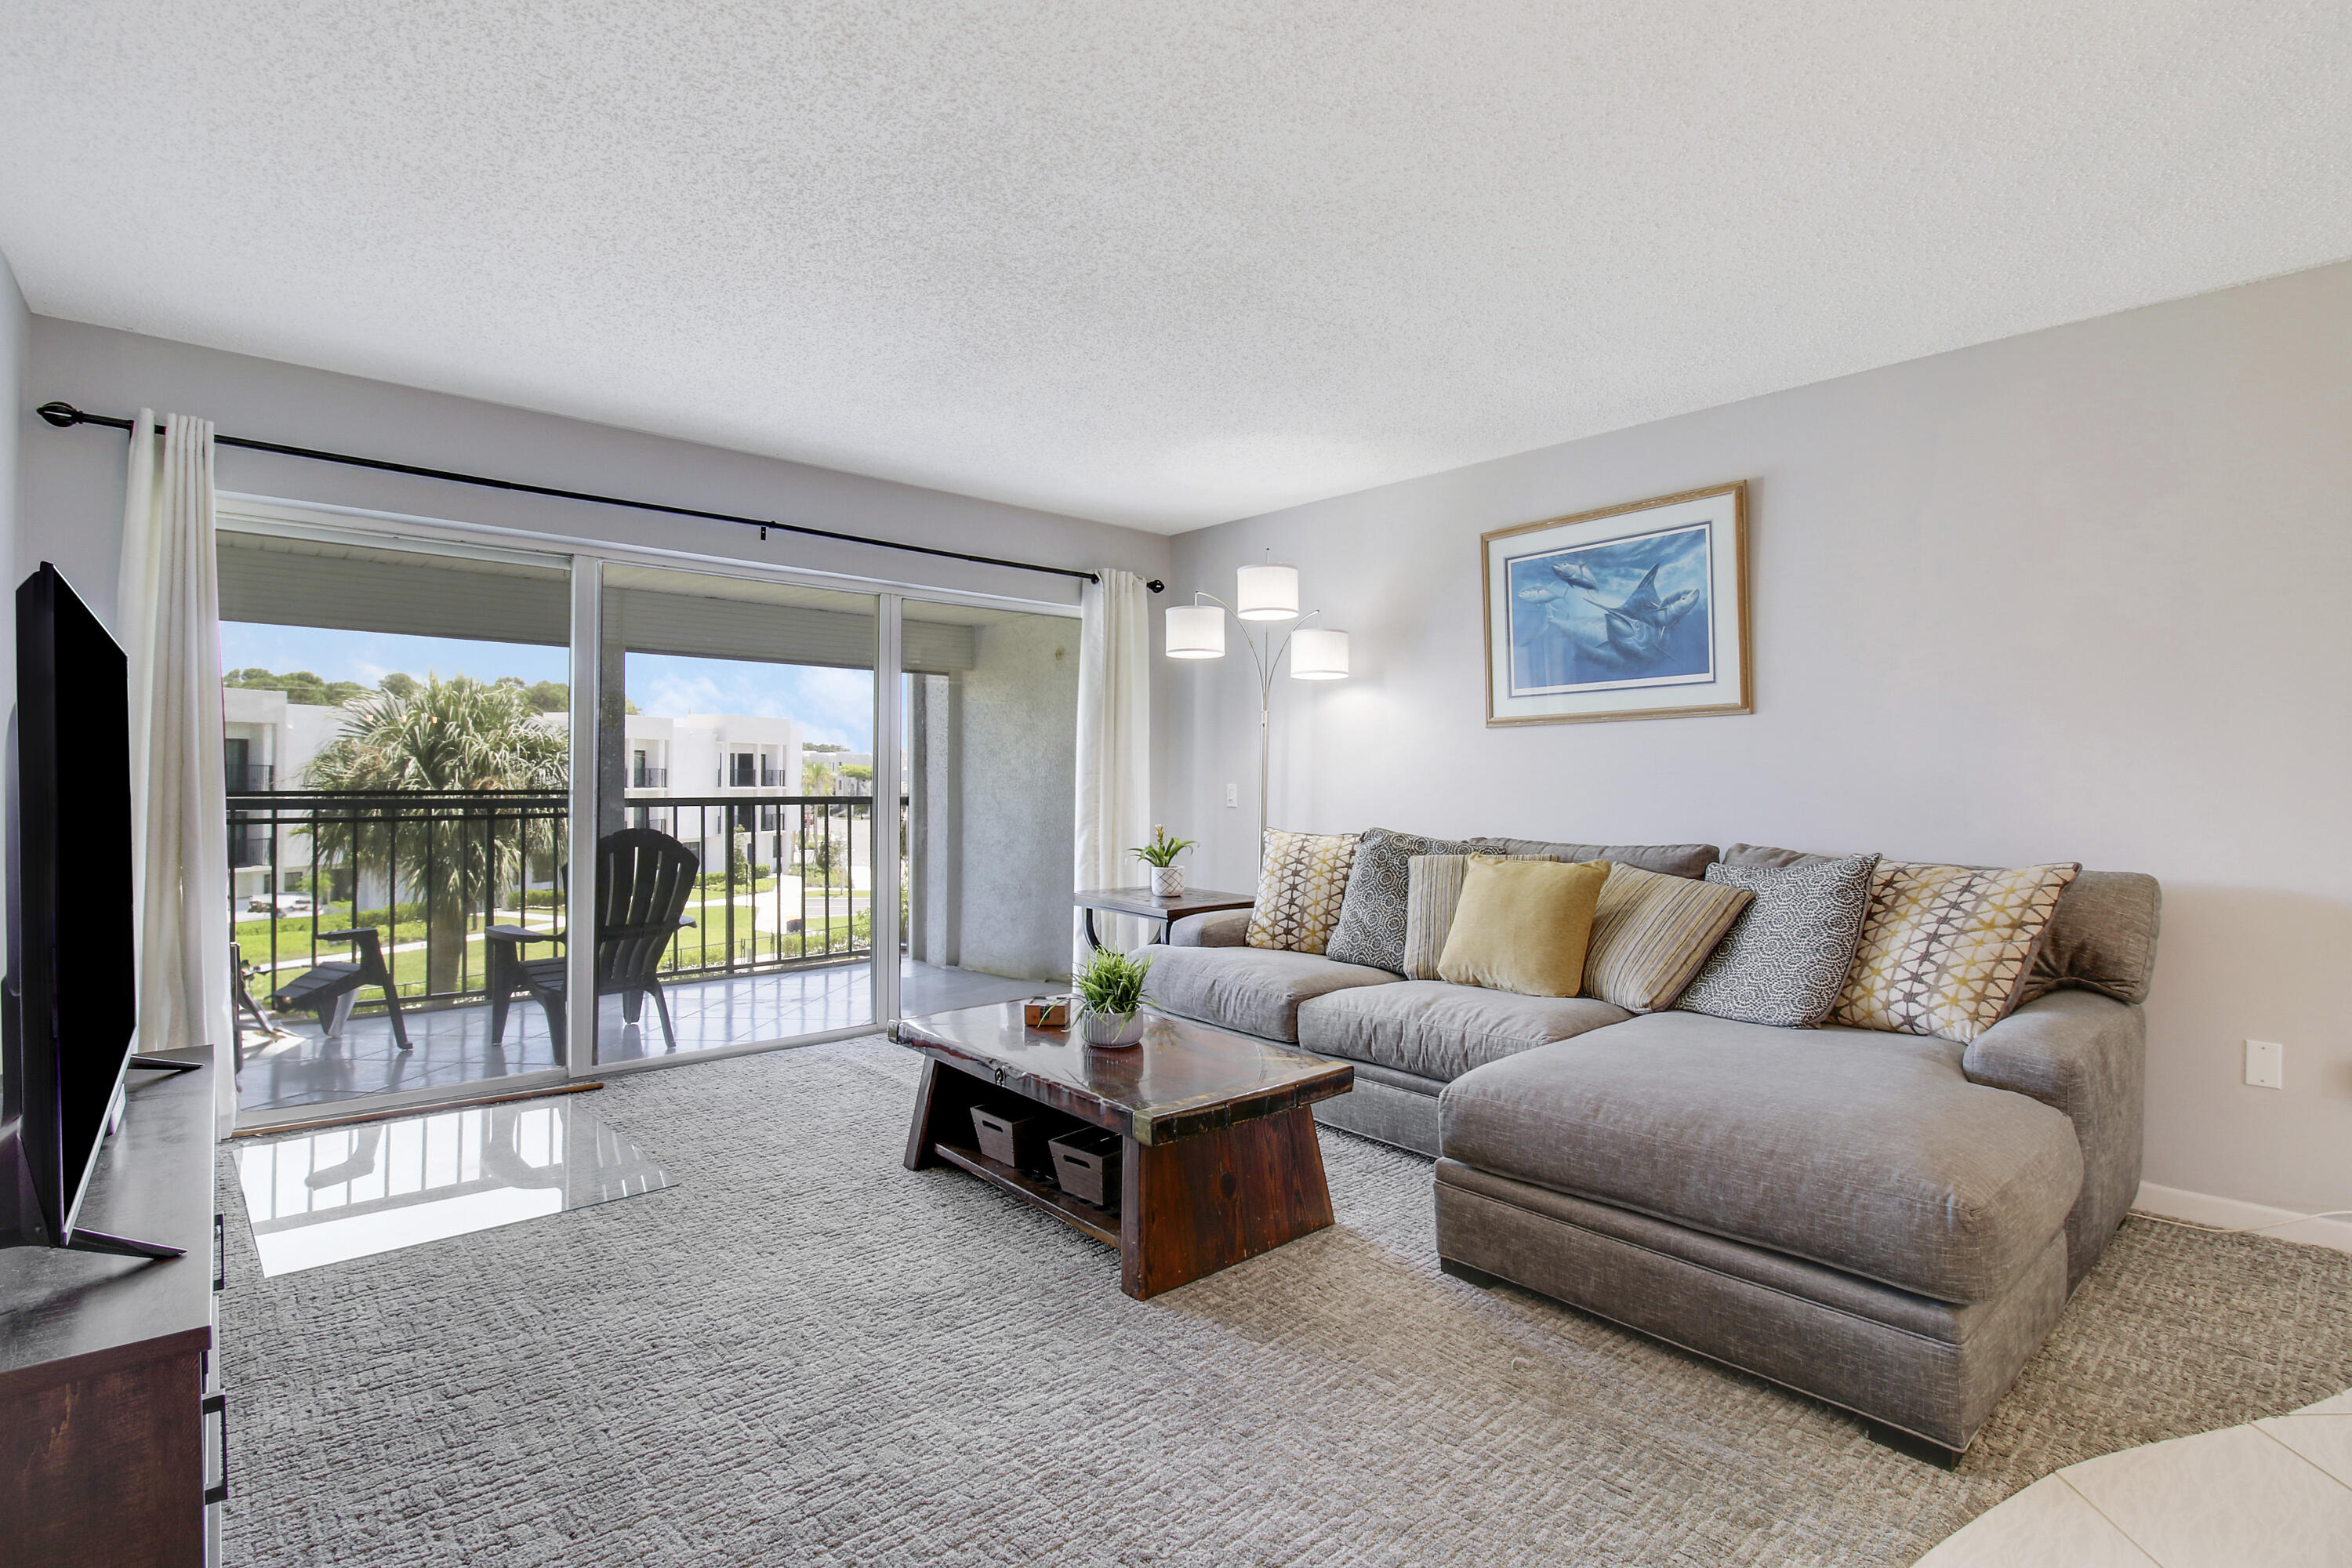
{"x":990,"y":737}
{"x":737,"y":851}
{"x":398,"y":762}
{"x":496,"y":815}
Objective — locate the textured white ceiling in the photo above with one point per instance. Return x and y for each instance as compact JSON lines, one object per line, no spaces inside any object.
{"x":1160,"y":264}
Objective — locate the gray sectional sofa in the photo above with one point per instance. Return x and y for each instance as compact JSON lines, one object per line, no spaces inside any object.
{"x":1888,"y":1222}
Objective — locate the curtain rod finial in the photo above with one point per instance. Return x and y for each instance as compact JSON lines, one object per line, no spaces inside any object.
{"x":1156,"y":585}
{"x":64,"y":415}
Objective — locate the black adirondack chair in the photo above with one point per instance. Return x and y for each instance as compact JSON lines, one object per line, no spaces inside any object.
{"x":329,"y":989}
{"x":644,"y":880}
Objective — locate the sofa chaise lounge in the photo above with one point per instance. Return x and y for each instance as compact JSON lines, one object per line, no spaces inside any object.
{"x":1889,"y":1221}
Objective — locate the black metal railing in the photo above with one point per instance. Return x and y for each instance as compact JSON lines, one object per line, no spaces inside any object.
{"x":786,"y":882}
{"x":428,"y":868}
{"x":643,"y":777}
{"x":245,"y":778}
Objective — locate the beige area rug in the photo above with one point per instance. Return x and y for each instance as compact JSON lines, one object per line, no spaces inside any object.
{"x":804,"y":1353}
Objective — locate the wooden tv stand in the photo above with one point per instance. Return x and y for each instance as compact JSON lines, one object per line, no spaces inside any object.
{"x":107,"y":1379}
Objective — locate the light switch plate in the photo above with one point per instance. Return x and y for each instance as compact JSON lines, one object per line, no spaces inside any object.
{"x":1233,"y":795}
{"x":2265,"y":1064}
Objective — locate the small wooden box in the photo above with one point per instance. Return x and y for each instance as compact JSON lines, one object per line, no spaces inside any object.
{"x":1046,"y":1012}
{"x":1085,"y":1162}
{"x":1014,"y":1134}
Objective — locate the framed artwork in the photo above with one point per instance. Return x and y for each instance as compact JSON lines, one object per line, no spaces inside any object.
{"x":1632,"y":612}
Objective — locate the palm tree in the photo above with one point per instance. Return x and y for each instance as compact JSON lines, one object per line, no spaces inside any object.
{"x":454,"y":734}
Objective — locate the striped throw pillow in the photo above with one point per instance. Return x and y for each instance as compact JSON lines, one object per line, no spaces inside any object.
{"x":1433,"y":893}
{"x":1652,"y":934}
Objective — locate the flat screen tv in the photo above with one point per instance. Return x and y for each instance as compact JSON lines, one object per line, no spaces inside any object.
{"x":69,"y":1007}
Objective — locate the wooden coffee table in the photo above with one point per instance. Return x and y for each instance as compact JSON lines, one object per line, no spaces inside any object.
{"x":1218,"y":1157}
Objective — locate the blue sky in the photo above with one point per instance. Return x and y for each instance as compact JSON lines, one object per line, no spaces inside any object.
{"x":836,"y":705}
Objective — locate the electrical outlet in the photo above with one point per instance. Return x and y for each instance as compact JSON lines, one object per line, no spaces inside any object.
{"x":2265,"y":1064}
{"x":1233,"y":795}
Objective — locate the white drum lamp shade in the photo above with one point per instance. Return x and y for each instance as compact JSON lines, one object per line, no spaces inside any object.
{"x":1266,"y":593}
{"x":1196,"y":631}
{"x":1318,"y":653}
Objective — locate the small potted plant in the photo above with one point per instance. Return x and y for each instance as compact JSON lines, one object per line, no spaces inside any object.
{"x":1110,"y":997}
{"x":1167,"y":876}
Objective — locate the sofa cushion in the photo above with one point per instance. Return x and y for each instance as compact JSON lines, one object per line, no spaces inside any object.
{"x":1219,"y":928}
{"x":2102,"y":938}
{"x":1866,"y":1152}
{"x":1433,"y":1030}
{"x":1372,"y":917}
{"x":1785,"y":961}
{"x":1256,"y":990}
{"x":1300,"y":879}
{"x":1666,"y":859}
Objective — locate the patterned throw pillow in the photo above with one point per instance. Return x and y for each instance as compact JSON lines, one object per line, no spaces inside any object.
{"x":1433,"y":890}
{"x":1651,"y":933}
{"x":1945,"y":950}
{"x":1785,"y":961}
{"x":1372,"y":916}
{"x":1300,"y":881}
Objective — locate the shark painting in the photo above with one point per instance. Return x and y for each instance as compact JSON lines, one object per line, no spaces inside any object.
{"x":1627,"y":612}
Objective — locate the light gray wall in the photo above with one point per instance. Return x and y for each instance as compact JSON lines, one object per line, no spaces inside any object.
{"x":1017,"y":747}
{"x":73,"y":479}
{"x":2079,"y":595}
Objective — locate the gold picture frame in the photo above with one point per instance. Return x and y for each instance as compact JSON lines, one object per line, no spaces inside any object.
{"x":1604,"y":615}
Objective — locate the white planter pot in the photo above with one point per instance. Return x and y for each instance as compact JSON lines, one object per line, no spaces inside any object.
{"x":1167,"y":881}
{"x":1115,"y":1029}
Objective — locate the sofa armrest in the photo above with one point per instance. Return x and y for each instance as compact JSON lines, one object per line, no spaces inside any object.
{"x":2085,"y":1054}
{"x":1224,"y":928}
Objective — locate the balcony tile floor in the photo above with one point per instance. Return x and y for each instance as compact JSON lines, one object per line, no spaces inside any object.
{"x":452,"y":1046}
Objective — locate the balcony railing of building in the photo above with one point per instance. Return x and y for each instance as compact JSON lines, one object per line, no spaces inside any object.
{"x":247,"y":778}
{"x":786,"y":882}
{"x":644,"y":777}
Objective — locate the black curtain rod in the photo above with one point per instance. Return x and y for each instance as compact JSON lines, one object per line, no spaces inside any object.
{"x":65,"y":417}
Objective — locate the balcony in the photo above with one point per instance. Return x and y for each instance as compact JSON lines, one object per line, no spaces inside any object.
{"x":643,"y":777}
{"x":781,"y":945}
{"x":247,"y":778}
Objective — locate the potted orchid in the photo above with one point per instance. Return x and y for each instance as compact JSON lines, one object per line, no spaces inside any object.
{"x":1167,"y":876}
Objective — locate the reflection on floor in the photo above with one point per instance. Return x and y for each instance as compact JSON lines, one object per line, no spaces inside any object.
{"x":452,"y":1046}
{"x":340,"y":1193}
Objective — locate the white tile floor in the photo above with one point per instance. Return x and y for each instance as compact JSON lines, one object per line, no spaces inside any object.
{"x":2277,"y":1492}
{"x":452,"y":1046}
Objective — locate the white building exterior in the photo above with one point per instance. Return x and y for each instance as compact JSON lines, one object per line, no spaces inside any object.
{"x":269,"y":742}
{"x":710,"y":754}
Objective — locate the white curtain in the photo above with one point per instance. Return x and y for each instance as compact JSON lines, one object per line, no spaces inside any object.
{"x":1114,"y":746}
{"x":168,"y":621}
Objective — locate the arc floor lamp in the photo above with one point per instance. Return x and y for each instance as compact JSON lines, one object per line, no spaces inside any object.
{"x":1264,"y":596}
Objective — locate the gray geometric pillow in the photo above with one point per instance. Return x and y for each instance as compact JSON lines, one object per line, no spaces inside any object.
{"x":1371,"y":914}
{"x":1785,"y":959}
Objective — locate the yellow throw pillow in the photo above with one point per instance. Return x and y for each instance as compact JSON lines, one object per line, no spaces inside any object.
{"x":1522,"y":925}
{"x":1301,"y":879}
{"x":1433,"y":888}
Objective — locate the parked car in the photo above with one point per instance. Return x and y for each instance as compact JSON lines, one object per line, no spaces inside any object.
{"x":284,"y":904}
